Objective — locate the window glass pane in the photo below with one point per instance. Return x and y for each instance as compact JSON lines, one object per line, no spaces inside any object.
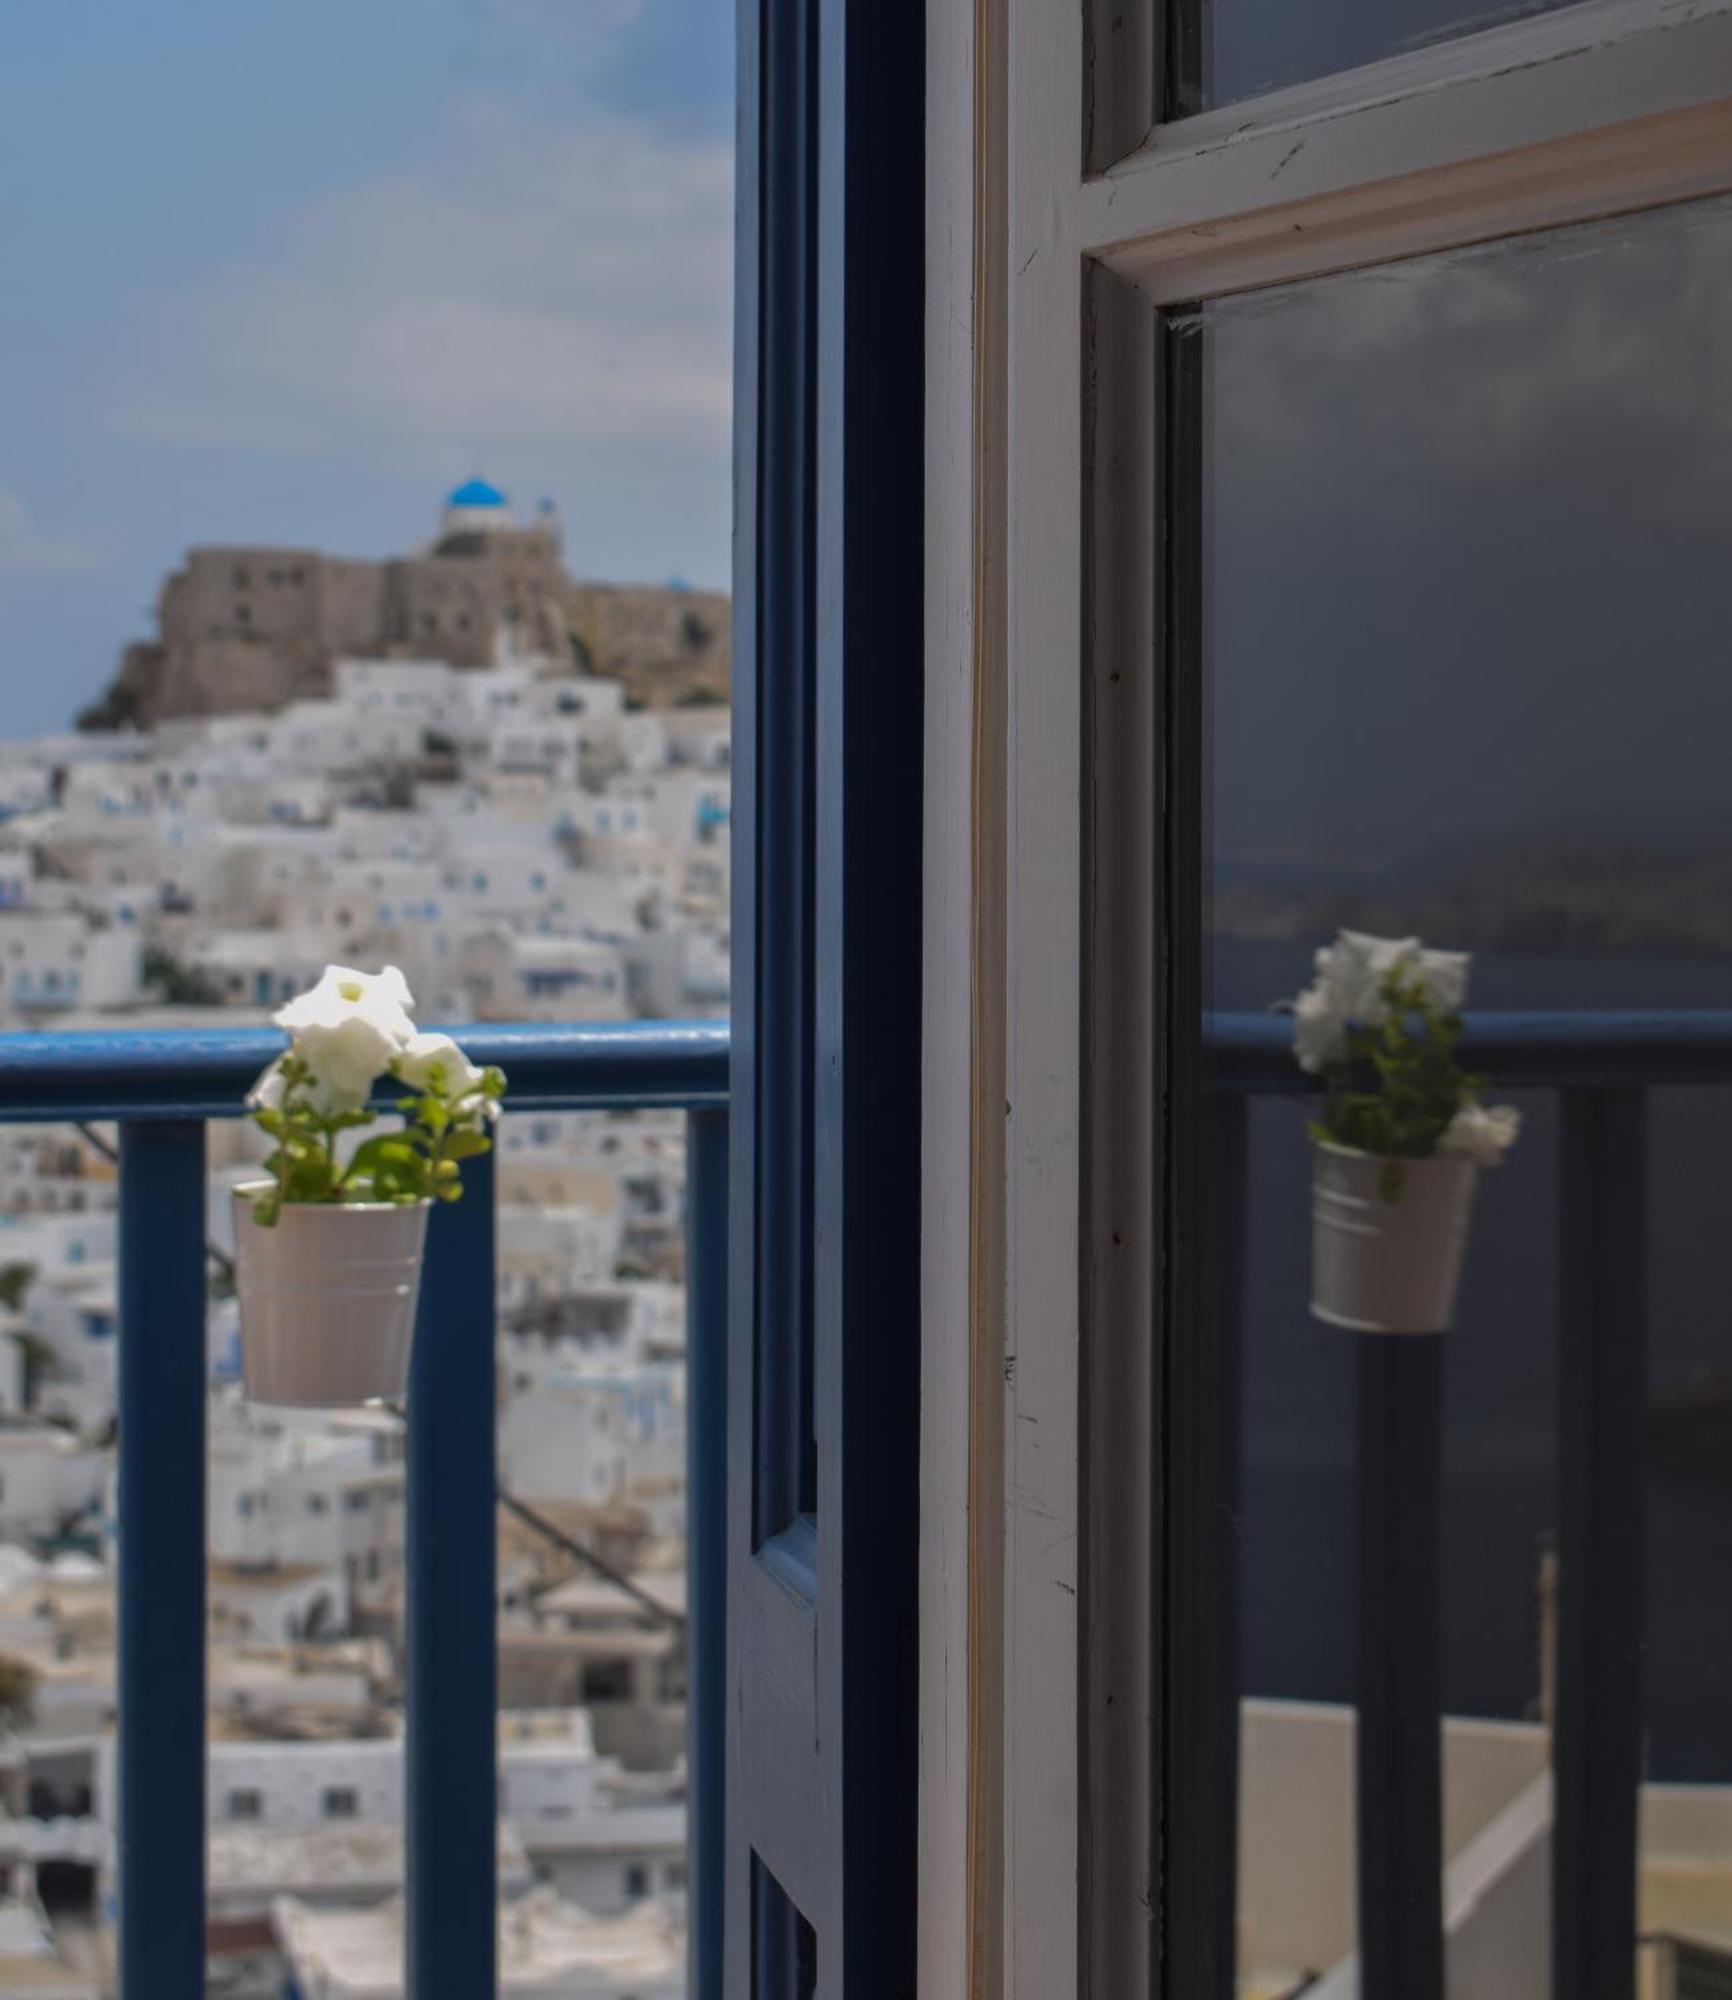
{"x":1464,"y":606}
{"x":1229,"y":49}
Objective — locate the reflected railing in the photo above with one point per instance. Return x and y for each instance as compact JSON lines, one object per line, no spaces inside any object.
{"x":160,"y":1088}
{"x":1602,"y":1066}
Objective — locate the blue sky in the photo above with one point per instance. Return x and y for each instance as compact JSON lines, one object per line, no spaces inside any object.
{"x":286,"y":270}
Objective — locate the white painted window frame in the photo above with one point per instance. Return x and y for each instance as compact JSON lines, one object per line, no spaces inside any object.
{"x":1596,"y":109}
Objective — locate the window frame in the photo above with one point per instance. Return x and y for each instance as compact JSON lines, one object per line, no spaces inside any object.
{"x":1061,"y":218}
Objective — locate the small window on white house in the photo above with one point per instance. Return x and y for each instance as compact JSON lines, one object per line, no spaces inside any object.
{"x":341,"y":1802}
{"x":245,"y":1804}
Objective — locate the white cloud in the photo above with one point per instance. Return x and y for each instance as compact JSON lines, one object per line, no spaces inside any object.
{"x":1593,"y":355}
{"x":532,"y":287}
{"x":25,"y":551}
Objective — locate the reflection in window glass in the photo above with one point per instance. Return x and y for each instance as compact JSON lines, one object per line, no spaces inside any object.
{"x":1231,"y":49}
{"x":1464,"y":633}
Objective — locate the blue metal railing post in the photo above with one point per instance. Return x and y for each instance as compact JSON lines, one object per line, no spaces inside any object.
{"x":1209,"y":1600}
{"x":162,"y":1562}
{"x":1602,"y":1401}
{"x":706,"y":1542}
{"x":1399,"y":1747}
{"x":453,"y":1680}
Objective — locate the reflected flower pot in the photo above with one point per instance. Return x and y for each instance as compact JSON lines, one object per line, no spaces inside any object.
{"x":327,"y":1299}
{"x":1383,"y":1266}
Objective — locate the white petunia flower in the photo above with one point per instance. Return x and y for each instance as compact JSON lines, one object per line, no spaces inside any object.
{"x":1319,"y":1030}
{"x":1482,"y":1132}
{"x":383,"y":997}
{"x":1349,"y":987}
{"x":269,"y":1088}
{"x":317,"y":1092}
{"x":1356,"y":965}
{"x":458,"y":1076}
{"x":347,"y":1029}
{"x":1351,"y":971}
{"x":1443,"y":974}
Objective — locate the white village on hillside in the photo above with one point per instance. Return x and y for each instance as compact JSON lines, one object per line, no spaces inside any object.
{"x":529,"y":837}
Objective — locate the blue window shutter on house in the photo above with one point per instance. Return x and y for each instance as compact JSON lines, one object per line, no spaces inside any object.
{"x":823,"y":1417}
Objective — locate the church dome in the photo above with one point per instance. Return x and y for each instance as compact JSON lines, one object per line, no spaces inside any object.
{"x":476,"y":493}
{"x":477,"y":507}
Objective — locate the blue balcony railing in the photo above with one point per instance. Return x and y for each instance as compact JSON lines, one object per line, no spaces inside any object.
{"x":1601,"y":1067}
{"x":160,"y":1088}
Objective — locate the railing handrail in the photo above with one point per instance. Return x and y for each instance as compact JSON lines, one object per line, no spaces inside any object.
{"x":1253,"y":1053}
{"x":683,"y":1065}
{"x":127,"y":1074}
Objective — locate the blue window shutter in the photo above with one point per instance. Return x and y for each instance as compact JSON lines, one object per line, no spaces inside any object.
{"x":823,"y":1393}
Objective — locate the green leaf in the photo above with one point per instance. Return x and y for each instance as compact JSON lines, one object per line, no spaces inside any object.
{"x":1399,"y":1087}
{"x":388,"y":1167}
{"x":389,"y":1147}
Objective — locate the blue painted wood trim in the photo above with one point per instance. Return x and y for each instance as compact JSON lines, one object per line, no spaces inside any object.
{"x":870,"y":889}
{"x":205,"y":1073}
{"x":1602,"y":1399}
{"x":453,"y":1683}
{"x":784,"y":1944}
{"x":706,"y":1544}
{"x":784,"y":803}
{"x":775,"y":1781}
{"x":162,"y":1365}
{"x":828,"y":698}
{"x":1254,"y":1052}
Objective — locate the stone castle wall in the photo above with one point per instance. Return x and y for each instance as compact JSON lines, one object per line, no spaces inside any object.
{"x":254,"y":628}
{"x":667,"y":646}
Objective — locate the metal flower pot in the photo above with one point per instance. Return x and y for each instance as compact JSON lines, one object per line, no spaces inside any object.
{"x":327,"y":1299}
{"x":1381,"y":1266}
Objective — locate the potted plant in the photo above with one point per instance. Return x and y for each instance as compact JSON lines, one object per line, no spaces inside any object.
{"x":1402,"y":1137}
{"x":328,"y":1248}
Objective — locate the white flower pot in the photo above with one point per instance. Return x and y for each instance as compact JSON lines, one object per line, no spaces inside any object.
{"x":1381,"y":1266}
{"x":327,"y":1299}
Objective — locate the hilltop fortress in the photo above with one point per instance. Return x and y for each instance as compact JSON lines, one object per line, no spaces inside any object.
{"x":253,"y":628}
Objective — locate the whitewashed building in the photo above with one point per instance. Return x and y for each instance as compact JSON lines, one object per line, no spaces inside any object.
{"x":547,"y":1951}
